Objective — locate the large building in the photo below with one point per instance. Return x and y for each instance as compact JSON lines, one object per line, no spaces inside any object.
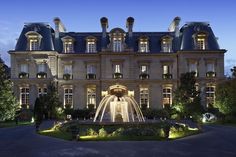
{"x":83,"y":65}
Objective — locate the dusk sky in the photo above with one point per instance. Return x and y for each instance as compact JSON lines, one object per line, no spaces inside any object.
{"x":150,"y":15}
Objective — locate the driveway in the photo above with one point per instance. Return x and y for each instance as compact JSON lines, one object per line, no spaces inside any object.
{"x":22,"y":141}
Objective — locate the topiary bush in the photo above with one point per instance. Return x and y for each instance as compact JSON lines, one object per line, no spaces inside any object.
{"x":102,"y":132}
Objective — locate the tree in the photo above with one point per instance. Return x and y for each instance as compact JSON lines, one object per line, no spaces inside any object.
{"x":225,"y":97}
{"x":51,"y":102}
{"x":8,"y":103}
{"x":233,"y":70}
{"x":187,"y":101}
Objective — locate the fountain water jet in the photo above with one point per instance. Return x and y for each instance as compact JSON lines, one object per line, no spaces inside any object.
{"x":119,"y":106}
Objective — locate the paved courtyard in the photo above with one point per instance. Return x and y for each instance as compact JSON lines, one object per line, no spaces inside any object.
{"x":22,"y":141}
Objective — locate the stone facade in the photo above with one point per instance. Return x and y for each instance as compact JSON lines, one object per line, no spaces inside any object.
{"x":154,"y":71}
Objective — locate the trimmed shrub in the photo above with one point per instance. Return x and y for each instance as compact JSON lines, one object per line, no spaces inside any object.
{"x":102,"y":132}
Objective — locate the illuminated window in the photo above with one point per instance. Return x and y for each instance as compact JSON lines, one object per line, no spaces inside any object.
{"x":24,"y":97}
{"x":91,"y":46}
{"x":91,"y":97}
{"x":166,"y":69}
{"x":42,"y":91}
{"x":117,"y":68}
{"x":143,"y":46}
{"x":117,"y":45}
{"x":167,"y":96}
{"x":34,"y":40}
{"x":144,"y":97}
{"x":68,"y":98}
{"x":166,"y":44}
{"x":144,"y":69}
{"x":34,"y":44}
{"x":201,"y":41}
{"x":210,"y":95}
{"x":68,"y":47}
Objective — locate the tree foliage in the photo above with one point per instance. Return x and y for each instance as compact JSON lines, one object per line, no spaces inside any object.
{"x":233,"y":70}
{"x":226,"y":97}
{"x":51,"y":103}
{"x":8,"y":103}
{"x":187,"y":101}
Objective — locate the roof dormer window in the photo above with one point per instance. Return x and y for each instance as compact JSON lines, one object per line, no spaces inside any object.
{"x":166,"y":44}
{"x":143,"y":44}
{"x":201,"y":41}
{"x":34,"y":40}
{"x":117,"y":37}
{"x":91,"y":44}
{"x":68,"y":44}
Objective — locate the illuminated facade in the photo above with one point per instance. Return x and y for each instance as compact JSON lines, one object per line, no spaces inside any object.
{"x":84,"y":65}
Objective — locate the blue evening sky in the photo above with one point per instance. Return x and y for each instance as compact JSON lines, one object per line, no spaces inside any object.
{"x":150,"y":15}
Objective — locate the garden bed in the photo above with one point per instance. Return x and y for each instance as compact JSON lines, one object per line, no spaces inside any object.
{"x":119,"y":132}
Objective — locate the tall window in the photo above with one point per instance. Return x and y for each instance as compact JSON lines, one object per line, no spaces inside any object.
{"x":143,"y":46}
{"x":144,"y":69}
{"x":200,"y":39}
{"x":210,"y":95}
{"x":167,"y":96}
{"x":193,"y":68}
{"x":68,"y":69}
{"x":24,"y":97}
{"x":166,"y":44}
{"x":166,"y":69}
{"x":91,"y":69}
{"x":34,"y":40}
{"x":91,"y":97}
{"x":210,"y":67}
{"x":117,"y":68}
{"x":34,"y":44}
{"x":68,"y":98}
{"x":24,"y":68}
{"x":91,"y":46}
{"x":117,"y":44}
{"x":42,"y":91}
{"x":68,"y":47}
{"x":144,"y":97}
{"x":42,"y":67}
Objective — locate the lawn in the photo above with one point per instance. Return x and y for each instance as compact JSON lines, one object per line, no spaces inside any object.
{"x":13,"y":124}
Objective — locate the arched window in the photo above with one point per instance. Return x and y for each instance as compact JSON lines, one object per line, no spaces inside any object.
{"x":68,"y":44}
{"x":91,"y":44}
{"x":143,"y":44}
{"x":34,"y":40}
{"x":166,"y":44}
{"x":117,"y":38}
{"x":200,"y":40}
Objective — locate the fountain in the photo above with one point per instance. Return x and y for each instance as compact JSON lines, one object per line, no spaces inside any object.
{"x":118,"y":106}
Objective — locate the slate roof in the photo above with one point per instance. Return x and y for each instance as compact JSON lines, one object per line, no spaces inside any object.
{"x":185,"y":40}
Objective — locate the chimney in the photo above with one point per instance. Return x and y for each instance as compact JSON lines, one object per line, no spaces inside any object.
{"x":104,"y":24}
{"x":174,"y":26}
{"x":59,"y":27}
{"x":129,"y":25}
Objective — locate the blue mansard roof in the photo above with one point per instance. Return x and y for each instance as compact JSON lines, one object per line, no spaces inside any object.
{"x":184,"y":41}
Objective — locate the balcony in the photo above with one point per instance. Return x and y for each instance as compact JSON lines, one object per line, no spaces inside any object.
{"x":167,"y":76}
{"x":67,"y":76}
{"x":117,"y":75}
{"x":211,"y":74}
{"x":23,"y":75}
{"x":144,"y":76}
{"x":91,"y":76}
{"x":41,"y":75}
